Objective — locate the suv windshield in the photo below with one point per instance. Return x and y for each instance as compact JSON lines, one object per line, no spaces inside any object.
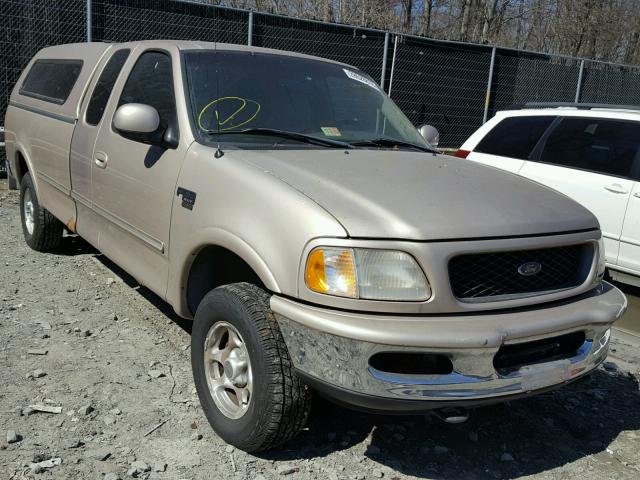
{"x":233,"y":92}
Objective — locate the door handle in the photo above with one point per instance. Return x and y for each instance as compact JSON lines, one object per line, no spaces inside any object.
{"x":637,"y":194}
{"x":100,"y":159}
{"x":616,"y":188}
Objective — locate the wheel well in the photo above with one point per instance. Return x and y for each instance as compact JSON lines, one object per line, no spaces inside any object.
{"x":21,"y":165}
{"x":215,"y":266}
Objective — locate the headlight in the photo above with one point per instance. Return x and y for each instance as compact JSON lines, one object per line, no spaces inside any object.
{"x":367,"y":274}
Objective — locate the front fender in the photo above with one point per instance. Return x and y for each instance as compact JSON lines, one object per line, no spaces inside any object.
{"x":249,"y":212}
{"x":218,"y":237}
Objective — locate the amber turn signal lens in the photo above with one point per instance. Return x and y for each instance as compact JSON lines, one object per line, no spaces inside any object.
{"x":365,"y":273}
{"x":332,"y":271}
{"x":315,"y":276}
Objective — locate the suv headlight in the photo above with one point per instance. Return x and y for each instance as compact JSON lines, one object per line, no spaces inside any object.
{"x":367,"y":274}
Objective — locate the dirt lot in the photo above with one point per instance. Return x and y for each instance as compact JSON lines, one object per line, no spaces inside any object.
{"x":117,"y":363}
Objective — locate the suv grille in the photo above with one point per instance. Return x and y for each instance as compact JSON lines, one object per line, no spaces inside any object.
{"x":486,"y":277}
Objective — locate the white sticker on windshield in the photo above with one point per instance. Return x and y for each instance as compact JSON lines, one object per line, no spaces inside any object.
{"x":360,"y":78}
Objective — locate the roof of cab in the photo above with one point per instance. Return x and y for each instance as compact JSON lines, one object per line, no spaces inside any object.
{"x":85,"y":49}
{"x":198,"y":45}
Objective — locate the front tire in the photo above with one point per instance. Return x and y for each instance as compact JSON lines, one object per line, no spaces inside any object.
{"x":42,"y":231}
{"x":245,"y":380}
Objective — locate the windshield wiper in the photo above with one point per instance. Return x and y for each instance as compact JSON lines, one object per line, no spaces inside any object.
{"x":392,"y":142}
{"x":273,"y":132}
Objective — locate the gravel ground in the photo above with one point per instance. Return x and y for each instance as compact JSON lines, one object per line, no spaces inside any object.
{"x":79,"y":337}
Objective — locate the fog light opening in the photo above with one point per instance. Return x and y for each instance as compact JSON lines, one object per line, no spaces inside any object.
{"x":513,"y":356}
{"x":407,"y":363}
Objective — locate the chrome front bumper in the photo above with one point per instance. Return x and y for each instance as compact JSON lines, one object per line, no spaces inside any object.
{"x":334,"y":347}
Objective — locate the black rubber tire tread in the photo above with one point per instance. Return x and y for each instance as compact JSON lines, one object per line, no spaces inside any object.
{"x":47,"y":229}
{"x":293,"y":397}
{"x":288,"y":400}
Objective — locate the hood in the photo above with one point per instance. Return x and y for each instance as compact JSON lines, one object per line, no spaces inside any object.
{"x":421,"y":196}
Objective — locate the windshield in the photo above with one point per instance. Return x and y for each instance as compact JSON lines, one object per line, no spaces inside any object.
{"x":232,"y":91}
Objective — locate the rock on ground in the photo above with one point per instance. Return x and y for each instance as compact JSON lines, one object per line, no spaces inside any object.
{"x":13,"y":437}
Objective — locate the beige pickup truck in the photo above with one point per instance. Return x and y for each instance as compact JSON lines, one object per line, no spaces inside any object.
{"x":314,"y":235}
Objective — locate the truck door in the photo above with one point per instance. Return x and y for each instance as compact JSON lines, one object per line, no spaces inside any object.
{"x":133,"y":183}
{"x":84,"y":139}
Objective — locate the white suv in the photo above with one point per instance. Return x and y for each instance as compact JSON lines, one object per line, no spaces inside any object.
{"x":589,"y":152}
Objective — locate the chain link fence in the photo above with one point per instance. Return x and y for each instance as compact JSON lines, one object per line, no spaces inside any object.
{"x":451,"y":85}
{"x":441,"y":84}
{"x":610,"y":83}
{"x":358,"y":47}
{"x":25,"y":27}
{"x":124,"y":21}
{"x":520,"y":77}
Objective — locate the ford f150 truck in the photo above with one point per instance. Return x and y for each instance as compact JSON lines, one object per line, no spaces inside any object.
{"x":317,"y":240}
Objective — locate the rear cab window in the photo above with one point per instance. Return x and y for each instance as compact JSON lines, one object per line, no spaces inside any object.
{"x":102,"y":90}
{"x":605,"y":146}
{"x":51,"y":80}
{"x":515,"y":137}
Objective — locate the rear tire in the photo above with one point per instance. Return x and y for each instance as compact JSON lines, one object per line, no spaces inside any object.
{"x":272,"y":403}
{"x":42,"y":231}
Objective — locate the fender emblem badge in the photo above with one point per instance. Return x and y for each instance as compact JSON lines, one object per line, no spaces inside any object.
{"x":188,"y":198}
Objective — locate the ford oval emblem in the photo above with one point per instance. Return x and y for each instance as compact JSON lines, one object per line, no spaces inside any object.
{"x":529,"y":269}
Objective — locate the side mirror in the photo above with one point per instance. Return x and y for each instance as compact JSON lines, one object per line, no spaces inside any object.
{"x":136,"y":118}
{"x":430,"y":134}
{"x":141,"y":123}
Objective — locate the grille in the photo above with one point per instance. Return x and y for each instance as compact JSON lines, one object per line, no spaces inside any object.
{"x":494,"y":276}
